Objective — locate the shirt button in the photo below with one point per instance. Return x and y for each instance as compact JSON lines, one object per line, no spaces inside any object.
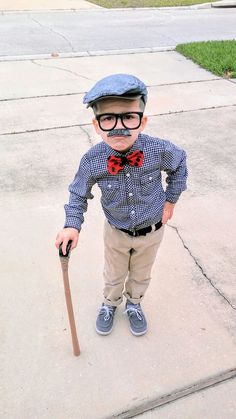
{"x":150,"y":178}
{"x":128,"y":174}
{"x":109,"y":186}
{"x":132,"y":212}
{"x":130,"y":194}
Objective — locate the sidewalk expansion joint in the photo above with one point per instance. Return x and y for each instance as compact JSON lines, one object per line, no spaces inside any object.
{"x":201,"y":268}
{"x":87,"y":123}
{"x":53,"y":31}
{"x":93,"y":80}
{"x":61,"y":69}
{"x":40,"y":96}
{"x":29,"y":131}
{"x":147,"y":405}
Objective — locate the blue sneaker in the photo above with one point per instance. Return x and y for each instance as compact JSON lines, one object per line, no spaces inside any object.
{"x":104,"y":323}
{"x":138,"y":323}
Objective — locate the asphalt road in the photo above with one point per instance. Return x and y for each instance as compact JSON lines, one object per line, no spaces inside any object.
{"x":110,"y":30}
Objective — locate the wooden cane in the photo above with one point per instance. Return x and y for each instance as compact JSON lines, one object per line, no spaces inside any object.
{"x":64,"y":265}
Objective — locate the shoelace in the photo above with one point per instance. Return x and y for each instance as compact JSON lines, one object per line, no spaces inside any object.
{"x":134,"y":311}
{"x":108,"y":311}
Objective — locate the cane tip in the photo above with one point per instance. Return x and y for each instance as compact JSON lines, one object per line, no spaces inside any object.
{"x":77,"y":353}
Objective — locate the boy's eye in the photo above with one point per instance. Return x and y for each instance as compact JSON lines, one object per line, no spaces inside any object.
{"x":107,"y":118}
{"x":128,"y":117}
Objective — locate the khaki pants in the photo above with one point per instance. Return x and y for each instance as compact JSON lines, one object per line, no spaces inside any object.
{"x":128,"y":264}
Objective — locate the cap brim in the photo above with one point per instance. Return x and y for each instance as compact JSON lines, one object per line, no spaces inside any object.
{"x":126,"y":97}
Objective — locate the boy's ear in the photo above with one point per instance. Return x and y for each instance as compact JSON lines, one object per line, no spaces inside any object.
{"x":144,"y":122}
{"x":96,"y":126}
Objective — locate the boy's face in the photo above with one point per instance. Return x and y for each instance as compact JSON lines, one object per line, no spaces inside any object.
{"x":119,"y":106}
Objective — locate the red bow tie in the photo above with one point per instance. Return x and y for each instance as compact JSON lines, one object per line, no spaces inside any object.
{"x":115,"y":164}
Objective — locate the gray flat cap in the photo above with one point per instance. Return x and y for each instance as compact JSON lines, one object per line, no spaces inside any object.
{"x":124,"y":86}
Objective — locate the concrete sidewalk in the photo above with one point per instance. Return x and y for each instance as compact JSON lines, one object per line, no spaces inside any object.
{"x":191,"y":302}
{"x":24,"y":5}
{"x":224,"y":4}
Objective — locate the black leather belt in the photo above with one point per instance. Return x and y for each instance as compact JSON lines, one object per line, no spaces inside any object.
{"x":142,"y":231}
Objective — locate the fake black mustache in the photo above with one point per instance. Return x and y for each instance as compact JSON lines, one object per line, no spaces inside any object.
{"x":122,"y":132}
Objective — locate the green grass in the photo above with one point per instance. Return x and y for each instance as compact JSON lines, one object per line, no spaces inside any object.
{"x":110,"y":4}
{"x":219,"y":57}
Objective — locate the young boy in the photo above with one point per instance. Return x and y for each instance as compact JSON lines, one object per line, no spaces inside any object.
{"x":127,"y":167}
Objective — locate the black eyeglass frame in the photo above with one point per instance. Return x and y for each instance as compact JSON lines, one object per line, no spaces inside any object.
{"x":117,"y":116}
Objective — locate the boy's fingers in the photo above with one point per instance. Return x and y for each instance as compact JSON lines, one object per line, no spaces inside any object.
{"x":164,"y":217}
{"x":63,"y":238}
{"x":64,"y":245}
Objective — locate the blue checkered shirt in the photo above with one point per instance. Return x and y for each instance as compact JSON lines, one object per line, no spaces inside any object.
{"x":133,"y":198}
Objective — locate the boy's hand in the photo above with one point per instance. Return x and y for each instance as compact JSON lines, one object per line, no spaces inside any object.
{"x":167,"y":212}
{"x":64,"y":236}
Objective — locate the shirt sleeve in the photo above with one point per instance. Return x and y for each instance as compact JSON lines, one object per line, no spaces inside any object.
{"x":80,"y":192}
{"x":173,"y":162}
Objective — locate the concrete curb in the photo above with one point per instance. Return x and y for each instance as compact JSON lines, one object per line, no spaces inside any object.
{"x":193,"y":6}
{"x":103,"y":9}
{"x":87,"y":53}
{"x":6,"y":12}
{"x":221,"y":3}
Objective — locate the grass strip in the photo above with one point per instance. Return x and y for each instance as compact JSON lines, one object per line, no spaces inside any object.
{"x":111,"y":4}
{"x":218,"y":57}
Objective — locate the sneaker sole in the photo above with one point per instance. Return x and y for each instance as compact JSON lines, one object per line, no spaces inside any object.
{"x":138,"y":333}
{"x":103,"y":333}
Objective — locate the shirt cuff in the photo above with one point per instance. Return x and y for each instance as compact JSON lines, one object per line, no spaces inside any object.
{"x":172,"y":198}
{"x":73,"y":223}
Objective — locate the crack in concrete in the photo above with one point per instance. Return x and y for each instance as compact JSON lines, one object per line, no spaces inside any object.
{"x":53,"y":31}
{"x":61,"y":69}
{"x":87,"y":135}
{"x":201,"y":268}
